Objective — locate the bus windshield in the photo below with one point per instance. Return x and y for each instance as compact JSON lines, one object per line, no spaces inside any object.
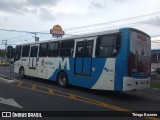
{"x":140,"y":53}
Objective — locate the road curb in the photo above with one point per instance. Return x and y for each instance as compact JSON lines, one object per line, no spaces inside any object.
{"x":3,"y":78}
{"x":155,"y":89}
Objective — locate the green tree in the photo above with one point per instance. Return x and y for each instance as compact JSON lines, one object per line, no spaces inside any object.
{"x":2,"y":53}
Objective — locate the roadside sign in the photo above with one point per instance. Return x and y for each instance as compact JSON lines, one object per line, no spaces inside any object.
{"x":57,"y":31}
{"x":10,"y":55}
{"x":10,"y":52}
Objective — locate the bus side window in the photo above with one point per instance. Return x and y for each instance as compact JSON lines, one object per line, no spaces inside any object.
{"x":54,"y":49}
{"x":79,"y":49}
{"x":114,"y":52}
{"x":18,"y":53}
{"x":108,"y":45}
{"x":88,"y":51}
{"x":43,"y":50}
{"x":33,"y":52}
{"x":25,"y":50}
{"x":67,"y":48}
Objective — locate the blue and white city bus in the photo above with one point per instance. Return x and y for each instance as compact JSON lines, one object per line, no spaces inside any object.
{"x":117,"y":60}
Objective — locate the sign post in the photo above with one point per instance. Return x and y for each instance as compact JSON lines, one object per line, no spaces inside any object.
{"x":10,"y":55}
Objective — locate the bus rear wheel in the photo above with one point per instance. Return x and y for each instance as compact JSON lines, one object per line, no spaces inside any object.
{"x":62,"y":79}
{"x":22,"y":72}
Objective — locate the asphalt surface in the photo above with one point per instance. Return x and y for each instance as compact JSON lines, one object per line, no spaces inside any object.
{"x":35,"y":94}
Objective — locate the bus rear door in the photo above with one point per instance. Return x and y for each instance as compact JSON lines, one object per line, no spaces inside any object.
{"x":83,"y":57}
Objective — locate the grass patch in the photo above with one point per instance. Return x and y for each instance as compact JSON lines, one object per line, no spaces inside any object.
{"x":155,"y":84}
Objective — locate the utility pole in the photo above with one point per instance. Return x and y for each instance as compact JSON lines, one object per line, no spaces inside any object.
{"x":35,"y":36}
{"x":5,"y":45}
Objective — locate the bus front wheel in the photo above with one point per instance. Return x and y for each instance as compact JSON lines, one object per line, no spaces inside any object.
{"x":62,"y":79}
{"x":22,"y":72}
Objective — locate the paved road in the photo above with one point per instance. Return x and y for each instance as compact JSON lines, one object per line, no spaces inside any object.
{"x":36,"y":95}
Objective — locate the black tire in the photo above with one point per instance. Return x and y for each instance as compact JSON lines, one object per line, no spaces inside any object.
{"x":22,"y":72}
{"x":62,"y":79}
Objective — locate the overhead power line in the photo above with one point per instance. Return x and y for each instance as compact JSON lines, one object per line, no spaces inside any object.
{"x":23,"y":31}
{"x":152,"y":21}
{"x":126,"y":19}
{"x":17,"y":37}
{"x":99,"y":24}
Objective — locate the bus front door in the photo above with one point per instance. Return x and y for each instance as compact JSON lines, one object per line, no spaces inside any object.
{"x":33,"y":57}
{"x":83,"y":57}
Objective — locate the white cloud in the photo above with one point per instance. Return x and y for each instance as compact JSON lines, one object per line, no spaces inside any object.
{"x":97,"y":5}
{"x":38,"y":3}
{"x":46,"y":14}
{"x":23,"y":6}
{"x":41,"y":15}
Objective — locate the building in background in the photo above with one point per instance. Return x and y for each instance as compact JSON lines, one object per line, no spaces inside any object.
{"x":155,"y":58}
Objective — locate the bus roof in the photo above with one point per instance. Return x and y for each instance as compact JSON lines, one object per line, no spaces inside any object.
{"x":74,"y":37}
{"x":82,"y":36}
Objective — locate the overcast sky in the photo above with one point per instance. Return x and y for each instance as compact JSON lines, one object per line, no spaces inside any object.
{"x":42,"y":15}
